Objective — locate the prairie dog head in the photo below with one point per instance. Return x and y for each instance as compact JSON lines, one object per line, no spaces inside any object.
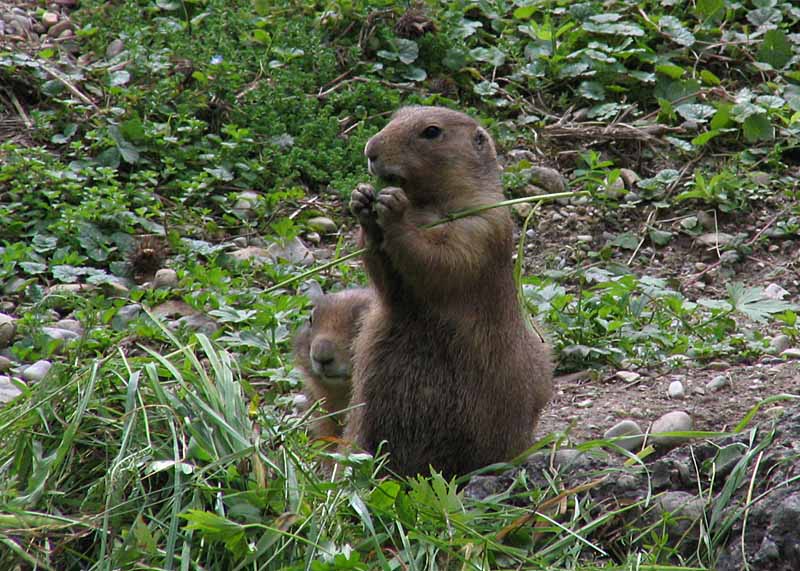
{"x":429,"y":151}
{"x":323,"y":346}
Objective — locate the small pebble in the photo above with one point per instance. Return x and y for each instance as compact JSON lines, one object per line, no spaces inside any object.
{"x":322,"y":224}
{"x":628,"y":376}
{"x":675,"y":390}
{"x":586,"y":403}
{"x":717,"y":383}
{"x":49,"y":19}
{"x":779,"y":344}
{"x":5,"y":363}
{"x":8,"y":391}
{"x":675,"y":421}
{"x":583,"y":238}
{"x":36,"y":372}
{"x":54,"y":333}
{"x":793,"y":353}
{"x":628,"y":428}
{"x":8,"y":328}
{"x":114,"y":48}
{"x":70,"y":325}
{"x":313,"y":238}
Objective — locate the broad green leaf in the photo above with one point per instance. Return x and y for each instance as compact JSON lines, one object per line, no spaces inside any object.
{"x":676,"y":30}
{"x":709,"y":78}
{"x":722,"y":118}
{"x":708,"y":9}
{"x":704,"y":138}
{"x":758,"y":128}
{"x":407,"y":50}
{"x":524,"y":12}
{"x":660,"y":237}
{"x":695,"y":112}
{"x":776,"y":49}
{"x":415,"y":73}
{"x":119,"y":77}
{"x":670,"y":70}
{"x":752,"y":302}
{"x":765,"y":17}
{"x":592,"y":90}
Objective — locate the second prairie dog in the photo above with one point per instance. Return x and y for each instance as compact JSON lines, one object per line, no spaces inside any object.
{"x":446,"y":371}
{"x":323,"y":351}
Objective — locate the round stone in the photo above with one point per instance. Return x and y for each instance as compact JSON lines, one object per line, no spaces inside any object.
{"x":626,"y":428}
{"x":8,"y":328}
{"x":36,"y":372}
{"x":676,"y":390}
{"x":675,"y":421}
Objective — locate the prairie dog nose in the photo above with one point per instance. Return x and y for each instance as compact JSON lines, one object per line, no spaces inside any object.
{"x":323,"y":351}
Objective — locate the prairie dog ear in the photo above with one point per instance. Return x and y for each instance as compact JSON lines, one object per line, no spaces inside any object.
{"x":482,"y":141}
{"x":313,"y":290}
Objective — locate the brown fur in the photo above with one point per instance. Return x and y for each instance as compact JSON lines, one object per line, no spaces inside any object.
{"x":448,"y":371}
{"x":323,"y":352}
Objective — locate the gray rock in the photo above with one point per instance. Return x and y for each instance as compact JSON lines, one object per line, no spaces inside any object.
{"x":322,"y":224}
{"x":774,"y":291}
{"x":675,"y":421}
{"x":36,"y":372}
{"x":313,"y":237}
{"x":685,"y":511}
{"x":676,"y":390}
{"x":61,"y":335}
{"x":293,"y":251}
{"x":125,"y":315}
{"x":629,"y":177}
{"x":8,"y":328}
{"x":628,"y":376}
{"x":246,"y":203}
{"x":714,"y":239}
{"x":8,"y":391}
{"x":114,"y":48}
{"x":49,"y":19}
{"x":5,"y":364}
{"x":57,"y":29}
{"x":628,"y":428}
{"x":548,"y":179}
{"x":198,"y":322}
{"x":779,"y":344}
{"x":165,"y":278}
{"x":793,"y":353}
{"x":252,"y":253}
{"x":70,"y":325}
{"x":717,"y":383}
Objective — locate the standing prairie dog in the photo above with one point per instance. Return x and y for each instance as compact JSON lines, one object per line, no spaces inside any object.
{"x":449,"y":373}
{"x":323,"y":352}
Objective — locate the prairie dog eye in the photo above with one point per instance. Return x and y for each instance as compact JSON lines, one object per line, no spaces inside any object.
{"x":431,"y":132}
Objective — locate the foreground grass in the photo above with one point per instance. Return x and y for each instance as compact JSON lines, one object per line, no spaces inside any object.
{"x":162,"y":461}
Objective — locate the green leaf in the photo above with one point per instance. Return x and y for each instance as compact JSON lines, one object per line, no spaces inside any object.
{"x":660,"y":237}
{"x":704,"y":138}
{"x":752,"y":302}
{"x":415,"y":73}
{"x":626,"y":241}
{"x":119,"y":77}
{"x":524,"y":12}
{"x":776,"y":49}
{"x":722,"y":118}
{"x":758,"y":128}
{"x":709,"y":78}
{"x":676,"y":30}
{"x":670,"y":70}
{"x":695,"y":112}
{"x":710,"y":9}
{"x":407,"y":50}
{"x":592,"y":90}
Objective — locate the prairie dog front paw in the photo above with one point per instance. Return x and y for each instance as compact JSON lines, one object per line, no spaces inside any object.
{"x":390,"y":205}
{"x":361,"y":202}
